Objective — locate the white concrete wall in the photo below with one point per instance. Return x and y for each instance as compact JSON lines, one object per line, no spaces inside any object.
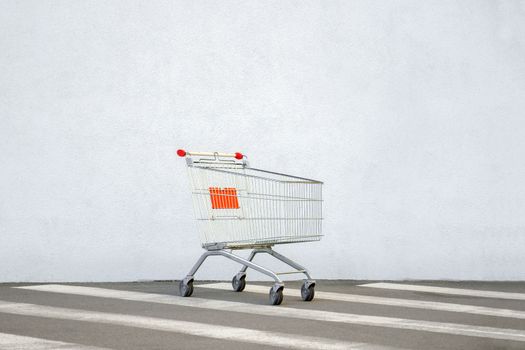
{"x":412,"y":112}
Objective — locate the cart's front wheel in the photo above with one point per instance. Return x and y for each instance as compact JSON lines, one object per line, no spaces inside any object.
{"x":186,"y":288}
{"x":308,"y":291}
{"x":238,"y":283}
{"x":276,"y":294}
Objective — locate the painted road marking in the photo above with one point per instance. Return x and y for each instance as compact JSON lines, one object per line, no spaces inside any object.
{"x":308,"y":314}
{"x":185,"y":327}
{"x":19,"y":342}
{"x":445,"y":290}
{"x":356,"y":298}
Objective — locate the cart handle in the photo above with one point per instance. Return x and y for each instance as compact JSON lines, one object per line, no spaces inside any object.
{"x":183,"y":153}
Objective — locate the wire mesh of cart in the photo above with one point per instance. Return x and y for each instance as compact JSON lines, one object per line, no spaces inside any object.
{"x":239,"y":207}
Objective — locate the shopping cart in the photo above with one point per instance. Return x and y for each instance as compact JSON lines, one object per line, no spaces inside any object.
{"x":239,"y":207}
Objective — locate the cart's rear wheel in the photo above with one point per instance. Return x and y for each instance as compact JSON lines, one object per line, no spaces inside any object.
{"x":186,"y":288}
{"x":238,"y":283}
{"x":308,"y":291}
{"x":276,"y":295}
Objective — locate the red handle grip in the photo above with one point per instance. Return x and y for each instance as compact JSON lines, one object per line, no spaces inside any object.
{"x":183,"y":153}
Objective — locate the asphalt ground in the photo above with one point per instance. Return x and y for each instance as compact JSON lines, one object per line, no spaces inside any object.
{"x":343,"y":315}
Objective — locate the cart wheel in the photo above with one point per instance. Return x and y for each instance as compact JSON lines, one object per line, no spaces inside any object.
{"x":186,"y":288}
{"x":276,"y":294}
{"x":307,"y":291}
{"x":238,"y":284}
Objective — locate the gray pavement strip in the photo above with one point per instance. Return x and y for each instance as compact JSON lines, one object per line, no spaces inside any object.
{"x":446,"y":290}
{"x":185,"y":327}
{"x":357,"y":298}
{"x":20,"y":342}
{"x":280,"y":311}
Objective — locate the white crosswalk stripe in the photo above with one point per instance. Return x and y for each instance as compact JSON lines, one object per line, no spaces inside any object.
{"x":185,"y":327}
{"x":356,"y":298}
{"x":19,"y":342}
{"x":318,"y":315}
{"x":445,"y":290}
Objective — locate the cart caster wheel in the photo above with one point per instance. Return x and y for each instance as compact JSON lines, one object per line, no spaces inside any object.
{"x":276,"y":294}
{"x":186,"y":287}
{"x":239,"y":282}
{"x":308,"y":291}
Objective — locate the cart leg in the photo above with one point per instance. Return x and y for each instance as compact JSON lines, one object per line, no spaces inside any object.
{"x":250,"y":258}
{"x":246,"y":263}
{"x":280,"y":257}
{"x":199,"y":263}
{"x":239,"y":280}
{"x":308,"y":287}
{"x":286,"y":260}
{"x":276,"y":292}
{"x":186,"y":285}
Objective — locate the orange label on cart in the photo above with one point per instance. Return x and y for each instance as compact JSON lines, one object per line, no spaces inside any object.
{"x":224,"y":198}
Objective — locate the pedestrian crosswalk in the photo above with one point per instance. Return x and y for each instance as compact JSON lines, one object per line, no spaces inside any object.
{"x":307,"y":314}
{"x":366,"y":299}
{"x":18,"y":342}
{"x":321,"y":312}
{"x":451,"y":291}
{"x":169,"y":325}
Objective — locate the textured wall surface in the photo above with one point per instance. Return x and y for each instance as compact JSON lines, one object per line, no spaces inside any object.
{"x":411,"y":112}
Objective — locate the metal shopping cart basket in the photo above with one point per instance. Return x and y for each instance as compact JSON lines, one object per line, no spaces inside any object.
{"x":239,"y":207}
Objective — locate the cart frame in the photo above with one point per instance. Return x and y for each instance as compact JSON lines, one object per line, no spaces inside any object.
{"x":215,"y":161}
